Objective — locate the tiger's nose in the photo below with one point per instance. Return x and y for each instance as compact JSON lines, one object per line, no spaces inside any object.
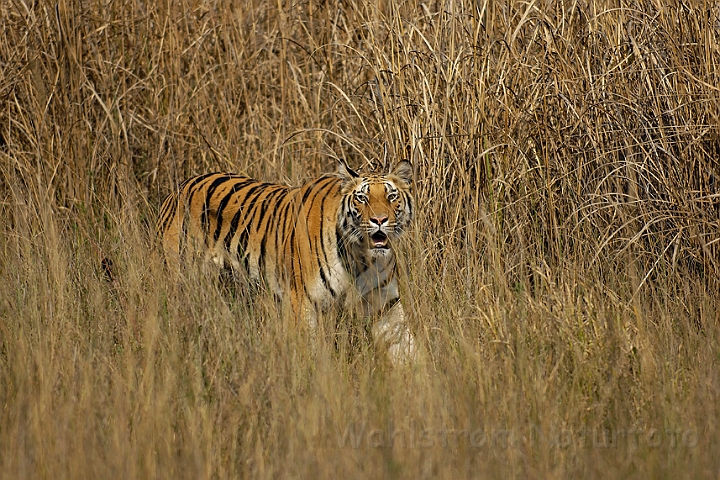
{"x":379,"y":219}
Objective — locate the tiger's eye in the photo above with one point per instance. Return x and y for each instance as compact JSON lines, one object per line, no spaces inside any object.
{"x":361,"y":198}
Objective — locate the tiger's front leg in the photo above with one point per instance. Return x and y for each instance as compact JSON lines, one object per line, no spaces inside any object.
{"x":390,"y":331}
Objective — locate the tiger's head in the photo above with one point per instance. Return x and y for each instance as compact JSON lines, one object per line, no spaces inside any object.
{"x":376,"y":208}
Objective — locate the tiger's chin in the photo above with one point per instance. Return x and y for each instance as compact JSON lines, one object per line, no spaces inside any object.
{"x":379,"y":252}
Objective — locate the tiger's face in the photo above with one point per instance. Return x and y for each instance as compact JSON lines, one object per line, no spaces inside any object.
{"x":376,"y":209}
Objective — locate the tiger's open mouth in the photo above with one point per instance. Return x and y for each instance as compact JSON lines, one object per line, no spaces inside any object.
{"x":379,"y":240}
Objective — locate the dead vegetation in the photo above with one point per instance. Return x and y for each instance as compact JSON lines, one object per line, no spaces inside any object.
{"x":562,"y":274}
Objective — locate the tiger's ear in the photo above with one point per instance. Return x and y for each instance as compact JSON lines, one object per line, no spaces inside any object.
{"x":404,"y":171}
{"x":345,"y":172}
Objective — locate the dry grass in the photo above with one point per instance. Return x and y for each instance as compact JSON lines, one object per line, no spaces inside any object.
{"x":562,"y":275}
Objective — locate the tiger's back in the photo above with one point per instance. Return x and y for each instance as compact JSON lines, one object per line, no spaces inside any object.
{"x":310,"y":244}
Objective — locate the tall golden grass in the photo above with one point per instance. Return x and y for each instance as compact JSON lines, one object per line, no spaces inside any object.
{"x":562,"y":275}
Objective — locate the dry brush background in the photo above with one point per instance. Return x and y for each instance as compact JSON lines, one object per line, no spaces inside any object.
{"x":562,"y":275}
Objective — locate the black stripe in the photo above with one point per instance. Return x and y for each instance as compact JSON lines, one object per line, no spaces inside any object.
{"x":311,"y":188}
{"x":324,"y":254}
{"x":292,"y":259}
{"x":264,"y":206}
{"x":315,"y":190}
{"x":280,"y":214}
{"x":193,"y":188}
{"x":271,"y":199}
{"x":167,"y":213}
{"x":190,"y":184}
{"x":248,"y":224}
{"x":280,"y":234}
{"x":223,"y":203}
{"x":170,"y":210}
{"x":341,"y":239}
{"x":242,"y":209}
{"x":285,"y":216}
{"x":325,"y":282}
{"x":163,"y":209}
{"x":320,"y":247}
{"x":241,"y":250}
{"x":308,"y":191}
{"x":254,"y":206}
{"x":192,"y":181}
{"x":323,"y":251}
{"x":293,"y":279}
{"x":204,"y":222}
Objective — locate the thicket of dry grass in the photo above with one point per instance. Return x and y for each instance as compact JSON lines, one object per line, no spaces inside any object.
{"x":562,"y":275}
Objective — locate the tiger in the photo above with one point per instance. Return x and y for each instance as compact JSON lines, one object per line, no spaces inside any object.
{"x":325,"y":243}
